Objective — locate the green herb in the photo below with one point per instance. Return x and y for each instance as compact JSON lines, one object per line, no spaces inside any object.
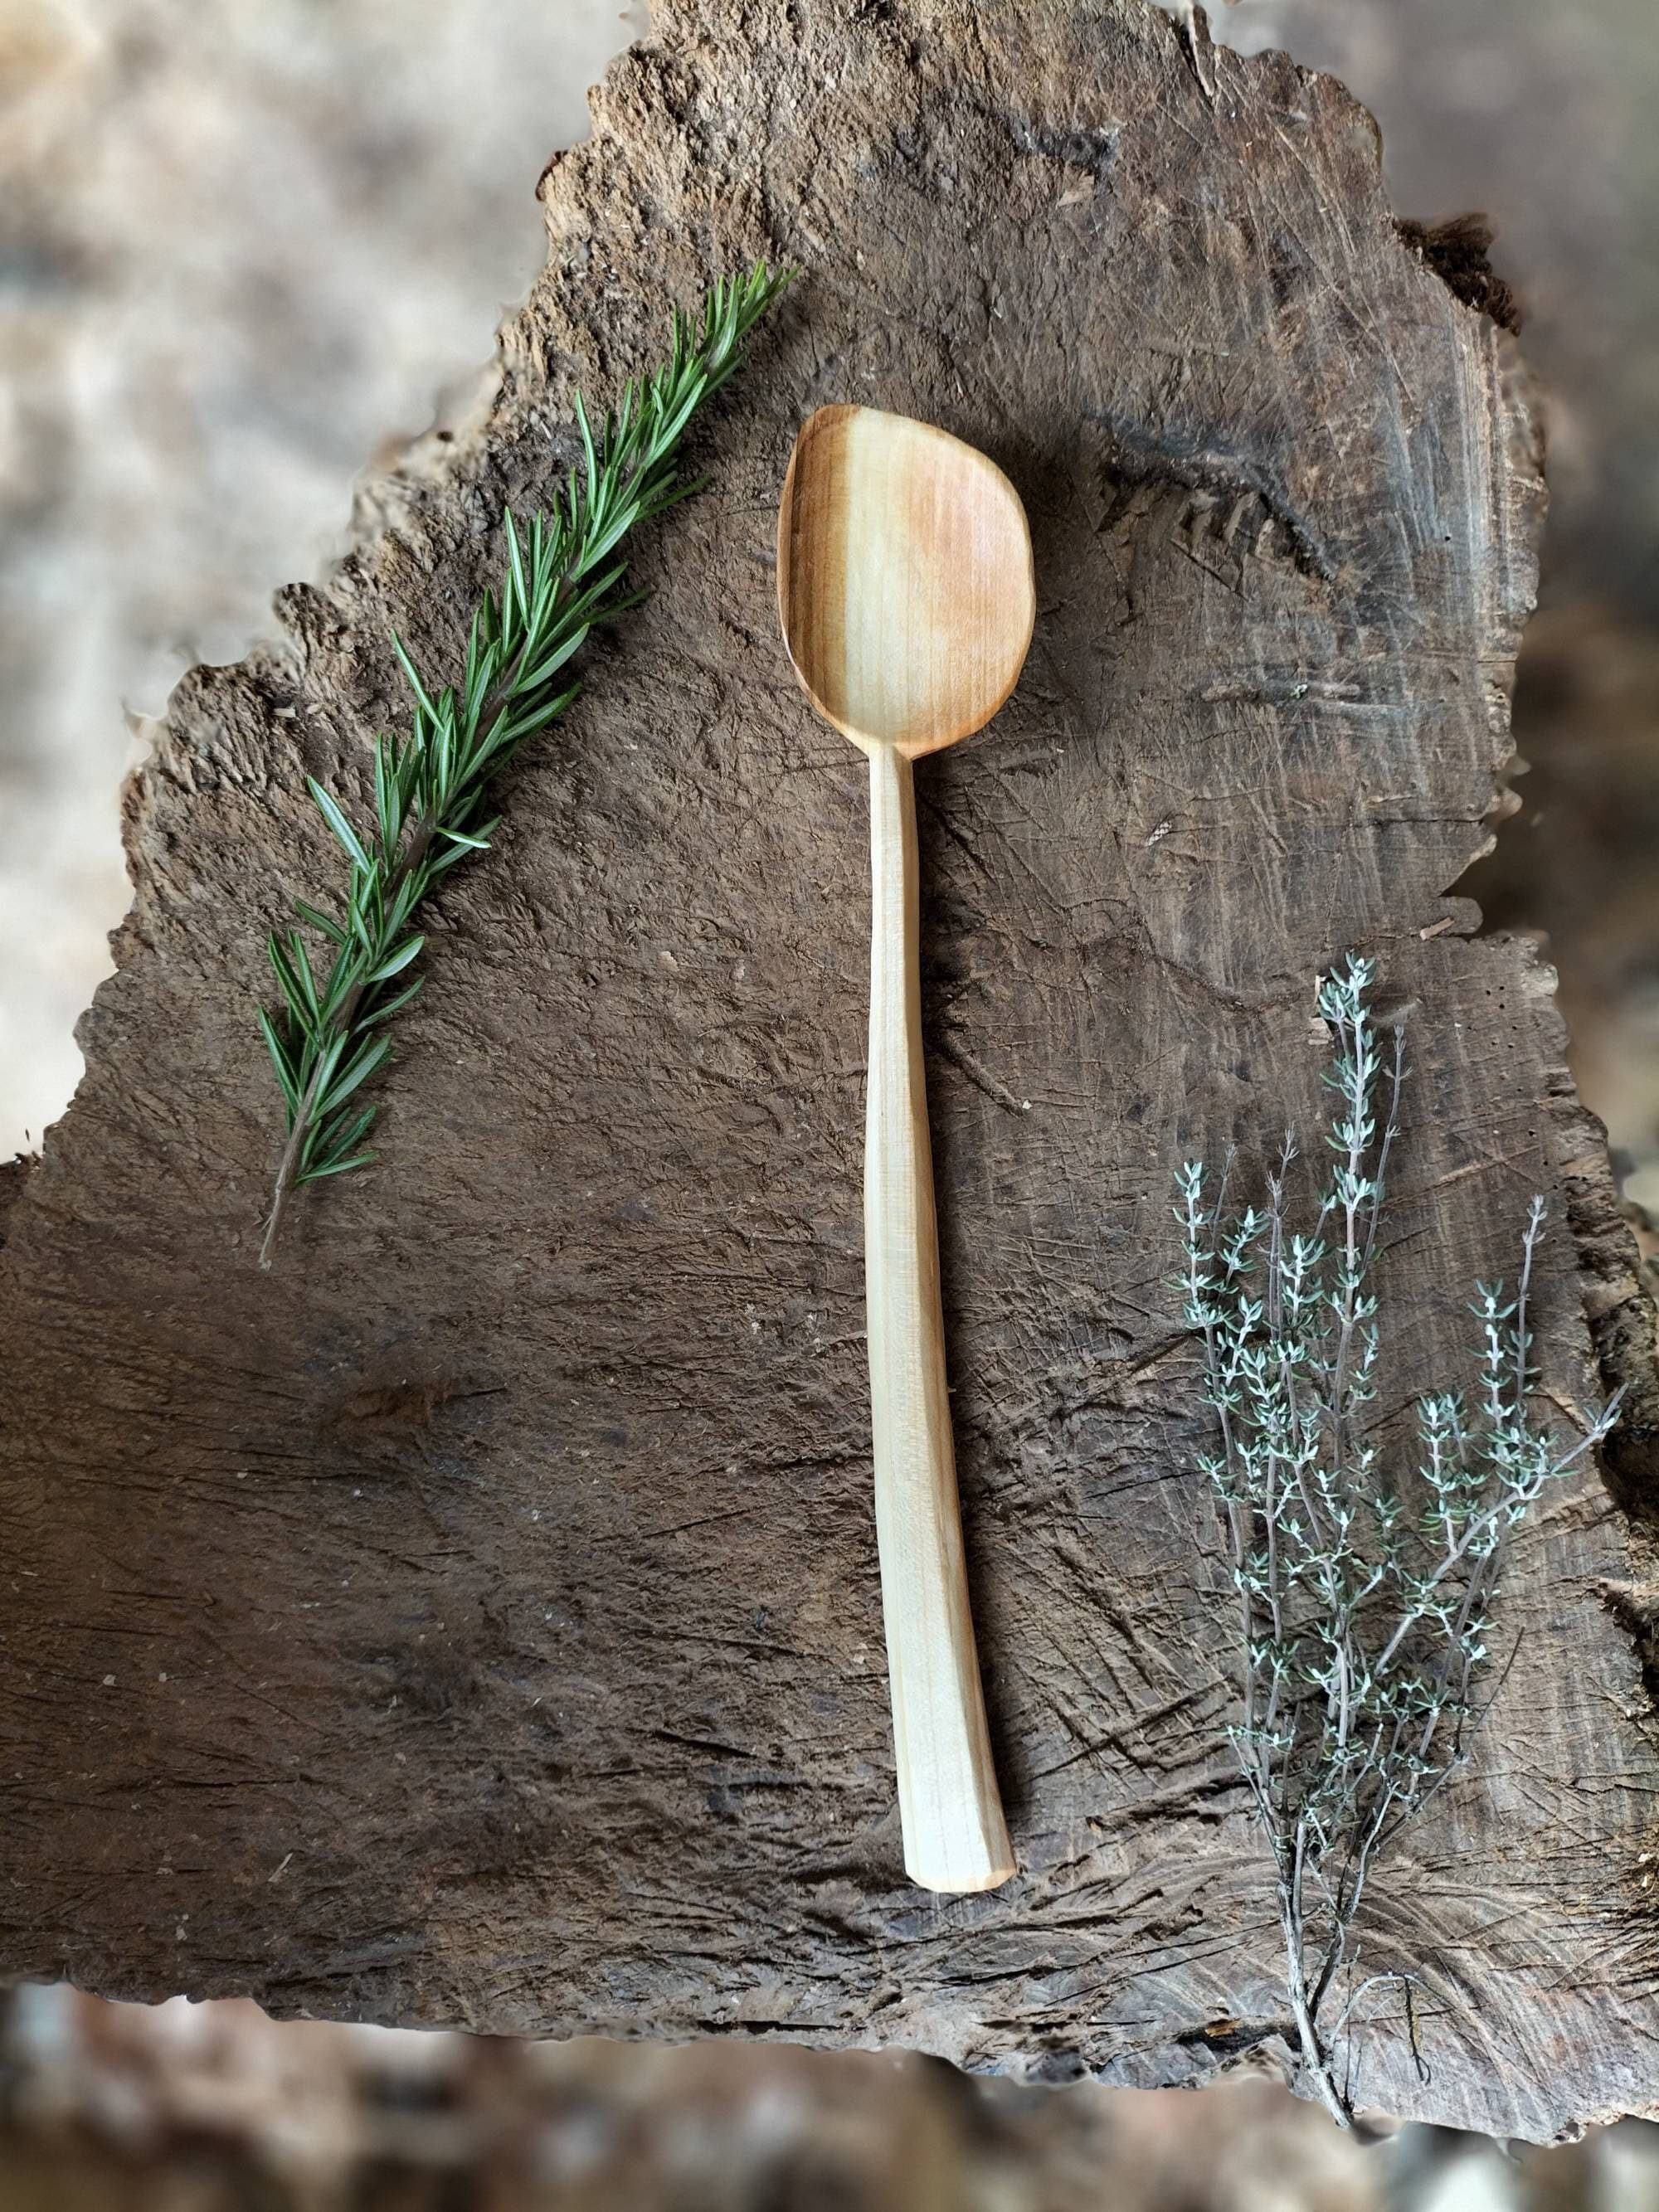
{"x":431,"y":788}
{"x":1363,"y":1589}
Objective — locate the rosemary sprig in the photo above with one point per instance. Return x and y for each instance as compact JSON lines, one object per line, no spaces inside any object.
{"x":564,"y":574}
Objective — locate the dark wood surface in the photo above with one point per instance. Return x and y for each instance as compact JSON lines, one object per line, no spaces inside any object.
{"x":477,"y":1619}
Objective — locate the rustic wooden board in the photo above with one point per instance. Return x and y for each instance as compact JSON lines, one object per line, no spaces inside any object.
{"x":477,"y":1621}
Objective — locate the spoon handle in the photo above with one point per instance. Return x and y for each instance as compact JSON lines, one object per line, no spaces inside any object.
{"x":955,"y":1837}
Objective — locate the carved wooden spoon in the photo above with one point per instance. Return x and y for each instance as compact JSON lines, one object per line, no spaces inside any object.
{"x":905,"y":586}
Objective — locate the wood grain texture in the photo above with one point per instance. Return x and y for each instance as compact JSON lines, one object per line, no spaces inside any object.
{"x":905,"y":582}
{"x":950,"y":1816}
{"x":477,"y":1619}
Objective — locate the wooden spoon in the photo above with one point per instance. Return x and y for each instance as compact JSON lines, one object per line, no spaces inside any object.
{"x":905,"y":586}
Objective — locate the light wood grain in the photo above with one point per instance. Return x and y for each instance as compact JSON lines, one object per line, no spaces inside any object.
{"x":955,"y":1836}
{"x":905,"y":588}
{"x":904,"y":580}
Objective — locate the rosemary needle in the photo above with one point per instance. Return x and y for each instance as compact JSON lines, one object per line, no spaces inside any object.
{"x":432,"y":788}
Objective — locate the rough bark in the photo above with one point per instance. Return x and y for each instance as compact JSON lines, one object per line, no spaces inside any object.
{"x":476,"y":1621}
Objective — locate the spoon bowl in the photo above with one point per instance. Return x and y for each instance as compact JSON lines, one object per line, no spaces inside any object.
{"x":904,"y":580}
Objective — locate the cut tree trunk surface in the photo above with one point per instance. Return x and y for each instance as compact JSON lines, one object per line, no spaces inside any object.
{"x":477,"y":1619}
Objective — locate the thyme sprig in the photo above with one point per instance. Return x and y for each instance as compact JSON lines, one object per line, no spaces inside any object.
{"x":1364,"y":1583}
{"x":564,"y":573}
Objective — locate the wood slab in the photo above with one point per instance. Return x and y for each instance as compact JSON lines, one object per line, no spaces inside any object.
{"x":477,"y":1621}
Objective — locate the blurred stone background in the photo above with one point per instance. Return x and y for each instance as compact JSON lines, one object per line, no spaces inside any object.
{"x":247,"y":248}
{"x":212,"y":2108}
